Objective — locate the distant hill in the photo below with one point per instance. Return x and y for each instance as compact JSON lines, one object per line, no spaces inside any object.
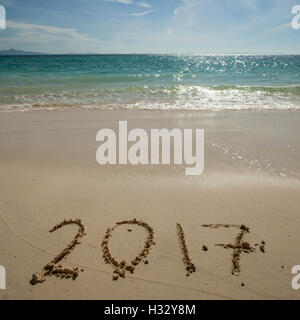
{"x":14,"y":52}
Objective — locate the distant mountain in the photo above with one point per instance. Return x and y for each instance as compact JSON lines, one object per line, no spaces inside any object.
{"x":14,"y":52}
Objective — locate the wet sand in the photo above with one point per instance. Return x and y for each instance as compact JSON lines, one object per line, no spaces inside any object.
{"x":49,"y":173}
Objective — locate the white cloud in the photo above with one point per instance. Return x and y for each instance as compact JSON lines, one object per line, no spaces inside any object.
{"x":279,"y":28}
{"x":45,"y":38}
{"x":144,"y":4}
{"x":47,"y":29}
{"x":140,"y":14}
{"x":120,"y":1}
{"x":186,"y":11}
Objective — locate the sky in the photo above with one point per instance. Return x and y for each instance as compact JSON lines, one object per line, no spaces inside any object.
{"x":151,"y":26}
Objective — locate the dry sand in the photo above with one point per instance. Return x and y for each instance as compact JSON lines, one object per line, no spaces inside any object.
{"x":48,"y":173}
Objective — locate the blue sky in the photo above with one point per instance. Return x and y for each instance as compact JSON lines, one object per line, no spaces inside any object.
{"x":151,"y":26}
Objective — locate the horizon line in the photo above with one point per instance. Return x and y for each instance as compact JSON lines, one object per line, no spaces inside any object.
{"x":33,"y":53}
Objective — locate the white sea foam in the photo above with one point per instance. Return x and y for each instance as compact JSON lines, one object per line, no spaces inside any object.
{"x":178,"y":97}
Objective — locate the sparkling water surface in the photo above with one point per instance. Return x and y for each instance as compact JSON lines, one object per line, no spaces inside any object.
{"x":238,"y":82}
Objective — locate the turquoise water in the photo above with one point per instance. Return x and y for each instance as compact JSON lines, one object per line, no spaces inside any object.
{"x":149,"y":82}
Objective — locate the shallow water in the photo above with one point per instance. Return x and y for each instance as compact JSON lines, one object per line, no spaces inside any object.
{"x":150,"y":82}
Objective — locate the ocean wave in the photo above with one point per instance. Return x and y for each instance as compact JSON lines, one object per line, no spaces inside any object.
{"x":174,"y":97}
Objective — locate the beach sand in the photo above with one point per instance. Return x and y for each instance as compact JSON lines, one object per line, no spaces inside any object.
{"x":48,"y":173}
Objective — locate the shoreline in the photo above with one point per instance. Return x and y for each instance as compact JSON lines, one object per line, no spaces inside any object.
{"x":71,"y":108}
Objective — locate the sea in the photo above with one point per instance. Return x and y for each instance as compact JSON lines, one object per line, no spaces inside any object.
{"x":150,"y":82}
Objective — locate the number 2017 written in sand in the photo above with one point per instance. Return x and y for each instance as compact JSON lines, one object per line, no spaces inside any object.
{"x":54,"y":268}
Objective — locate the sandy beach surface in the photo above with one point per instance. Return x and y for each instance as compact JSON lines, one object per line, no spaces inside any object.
{"x":48,"y":173}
